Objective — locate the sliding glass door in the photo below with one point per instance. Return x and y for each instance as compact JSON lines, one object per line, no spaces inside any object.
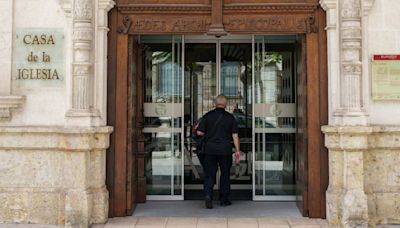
{"x":274,"y":118}
{"x":163,"y":114}
{"x":182,"y":77}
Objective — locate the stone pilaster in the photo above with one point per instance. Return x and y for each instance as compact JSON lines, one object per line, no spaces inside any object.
{"x":101,"y":43}
{"x":346,"y":200}
{"x":351,"y":109}
{"x":82,"y":111}
{"x":331,"y":8}
{"x":8,"y":101}
{"x":89,"y":41}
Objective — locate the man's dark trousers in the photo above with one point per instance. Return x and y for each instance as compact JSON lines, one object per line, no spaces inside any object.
{"x":211,"y":163}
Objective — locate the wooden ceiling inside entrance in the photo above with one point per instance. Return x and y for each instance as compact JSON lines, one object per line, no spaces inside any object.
{"x":217,"y":17}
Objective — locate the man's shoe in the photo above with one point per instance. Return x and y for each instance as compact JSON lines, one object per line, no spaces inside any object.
{"x":225,"y":203}
{"x":209,"y":202}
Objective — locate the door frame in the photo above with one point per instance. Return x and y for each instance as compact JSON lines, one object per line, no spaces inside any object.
{"x":125,"y":177}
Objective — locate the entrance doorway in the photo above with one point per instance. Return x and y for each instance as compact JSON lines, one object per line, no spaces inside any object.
{"x":183,"y":74}
{"x":145,"y":121}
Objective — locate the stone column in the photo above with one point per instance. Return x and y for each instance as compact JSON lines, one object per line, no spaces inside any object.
{"x":82,"y":111}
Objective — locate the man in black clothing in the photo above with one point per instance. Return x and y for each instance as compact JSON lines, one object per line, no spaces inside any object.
{"x":218,"y":127}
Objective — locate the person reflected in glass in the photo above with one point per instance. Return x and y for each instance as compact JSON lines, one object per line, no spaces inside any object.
{"x":219,"y":128}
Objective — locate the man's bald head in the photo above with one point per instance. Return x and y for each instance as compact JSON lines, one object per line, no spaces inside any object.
{"x":221,"y":101}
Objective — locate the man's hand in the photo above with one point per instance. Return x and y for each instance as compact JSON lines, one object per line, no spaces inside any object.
{"x":237,"y":157}
{"x":236,"y":141}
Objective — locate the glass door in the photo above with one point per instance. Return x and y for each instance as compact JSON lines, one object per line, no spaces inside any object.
{"x":274,"y":118}
{"x":218,"y":66}
{"x":236,"y":85}
{"x":182,"y":77}
{"x":163,"y":115}
{"x":200,"y":91}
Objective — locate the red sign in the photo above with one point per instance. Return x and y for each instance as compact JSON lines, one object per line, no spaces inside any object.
{"x":386,"y":57}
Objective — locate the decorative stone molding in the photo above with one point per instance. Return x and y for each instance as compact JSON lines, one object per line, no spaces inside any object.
{"x":106,"y":5}
{"x":66,"y":5}
{"x":328,"y":4}
{"x":367,"y":6}
{"x":53,"y":175}
{"x":7,"y":104}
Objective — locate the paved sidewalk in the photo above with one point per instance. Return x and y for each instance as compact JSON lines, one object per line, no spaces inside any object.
{"x":193,"y":222}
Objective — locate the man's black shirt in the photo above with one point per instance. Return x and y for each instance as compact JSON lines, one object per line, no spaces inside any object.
{"x":218,"y":140}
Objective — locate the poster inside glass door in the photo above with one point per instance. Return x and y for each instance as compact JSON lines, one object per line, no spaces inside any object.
{"x":183,"y":74}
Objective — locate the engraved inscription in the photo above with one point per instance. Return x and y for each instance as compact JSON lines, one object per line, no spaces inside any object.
{"x":149,"y":25}
{"x":232,"y":23}
{"x":190,"y":25}
{"x":173,"y":26}
{"x":266,"y":23}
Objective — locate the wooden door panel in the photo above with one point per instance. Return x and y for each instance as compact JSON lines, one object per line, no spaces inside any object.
{"x":323,"y":101}
{"x":132,"y":116}
{"x":111,"y":106}
{"x":301,"y":158}
{"x":121,"y":126}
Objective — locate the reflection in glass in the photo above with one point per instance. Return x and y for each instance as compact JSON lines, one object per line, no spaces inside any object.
{"x":236,"y":78}
{"x":163,"y":114}
{"x":200,"y":91}
{"x":274,"y":119}
{"x":163,"y":163}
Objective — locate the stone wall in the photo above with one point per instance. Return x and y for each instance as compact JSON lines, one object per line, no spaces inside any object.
{"x":45,"y":105}
{"x":53,"y":175}
{"x":383,"y":38}
{"x":364,"y":175}
{"x":53,"y":138}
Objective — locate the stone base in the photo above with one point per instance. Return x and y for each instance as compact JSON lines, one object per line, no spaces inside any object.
{"x":364,"y":175}
{"x":53,"y":175}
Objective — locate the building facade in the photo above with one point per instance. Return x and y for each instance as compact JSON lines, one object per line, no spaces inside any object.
{"x":98,"y":97}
